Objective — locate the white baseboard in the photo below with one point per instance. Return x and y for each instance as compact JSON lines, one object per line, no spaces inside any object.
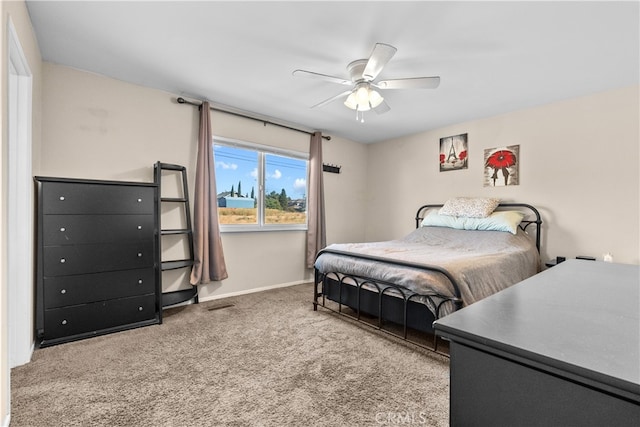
{"x":6,"y":421}
{"x":24,"y":358}
{"x":251,"y":291}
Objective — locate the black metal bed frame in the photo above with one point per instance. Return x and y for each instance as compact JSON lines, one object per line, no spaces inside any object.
{"x":354,"y":292}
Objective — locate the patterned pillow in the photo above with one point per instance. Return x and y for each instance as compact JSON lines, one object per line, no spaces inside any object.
{"x":470,"y":207}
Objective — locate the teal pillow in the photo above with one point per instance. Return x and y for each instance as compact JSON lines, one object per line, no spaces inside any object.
{"x":497,"y":221}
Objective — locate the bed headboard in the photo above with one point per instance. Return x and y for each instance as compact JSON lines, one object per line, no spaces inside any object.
{"x":531,"y":217}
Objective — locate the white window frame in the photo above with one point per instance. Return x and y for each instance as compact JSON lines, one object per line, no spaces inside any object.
{"x":262,"y":151}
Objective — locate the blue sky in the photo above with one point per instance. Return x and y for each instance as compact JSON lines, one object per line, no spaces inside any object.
{"x":235,"y":165}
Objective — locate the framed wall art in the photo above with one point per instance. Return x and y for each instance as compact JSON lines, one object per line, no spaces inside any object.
{"x":501,"y":166}
{"x":453,"y":152}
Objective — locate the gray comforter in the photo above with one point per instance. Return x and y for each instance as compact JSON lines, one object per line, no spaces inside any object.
{"x":481,"y":262}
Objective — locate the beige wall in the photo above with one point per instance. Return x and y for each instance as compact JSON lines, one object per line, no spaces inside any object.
{"x":96,"y":127}
{"x":578,"y":165}
{"x":17,"y":12}
{"x":101,"y":128}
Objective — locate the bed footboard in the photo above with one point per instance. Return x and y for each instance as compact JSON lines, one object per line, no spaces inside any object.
{"x":387,"y":302}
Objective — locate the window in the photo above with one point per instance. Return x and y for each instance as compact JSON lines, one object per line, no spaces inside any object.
{"x":260,"y":188}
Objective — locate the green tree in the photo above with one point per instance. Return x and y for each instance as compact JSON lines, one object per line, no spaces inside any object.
{"x":253,"y":194}
{"x":232,"y":191}
{"x":272,"y":201}
{"x":283,"y":199}
{"x":239,"y":190}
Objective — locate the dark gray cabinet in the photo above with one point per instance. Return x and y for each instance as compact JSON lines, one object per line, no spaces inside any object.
{"x":98,"y":258}
{"x":561,"y":348}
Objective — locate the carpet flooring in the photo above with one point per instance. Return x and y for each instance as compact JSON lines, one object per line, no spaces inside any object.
{"x":263,"y":359}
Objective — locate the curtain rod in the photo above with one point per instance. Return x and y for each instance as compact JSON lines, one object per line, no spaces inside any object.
{"x":181,"y":100}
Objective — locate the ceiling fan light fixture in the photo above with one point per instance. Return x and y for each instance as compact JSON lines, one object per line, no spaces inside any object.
{"x":363,"y":107}
{"x":362,"y":94}
{"x":351,"y":102}
{"x":363,"y":98}
{"x":375,"y":98}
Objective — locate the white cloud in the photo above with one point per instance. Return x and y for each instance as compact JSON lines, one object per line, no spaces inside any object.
{"x":276,"y":175}
{"x":254,"y":173}
{"x":223,"y":165}
{"x":300,"y":184}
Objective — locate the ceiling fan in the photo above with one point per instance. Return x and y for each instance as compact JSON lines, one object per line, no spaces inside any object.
{"x":363,"y":96}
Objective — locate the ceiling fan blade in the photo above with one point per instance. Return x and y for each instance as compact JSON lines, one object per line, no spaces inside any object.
{"x":410,"y":83}
{"x":318,"y":76}
{"x":333,"y":98}
{"x":382,"y":108}
{"x":381,"y":54}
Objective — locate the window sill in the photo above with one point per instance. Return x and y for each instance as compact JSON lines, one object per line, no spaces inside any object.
{"x":257,"y":228}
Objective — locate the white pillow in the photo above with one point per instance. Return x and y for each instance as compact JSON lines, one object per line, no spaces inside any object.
{"x":497,"y":221}
{"x":470,"y":207}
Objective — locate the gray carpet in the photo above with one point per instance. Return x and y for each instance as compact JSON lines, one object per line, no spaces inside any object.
{"x":269,"y":360}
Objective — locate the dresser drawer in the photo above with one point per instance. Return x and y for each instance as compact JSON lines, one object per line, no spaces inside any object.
{"x":95,"y":258}
{"x":87,"y":318}
{"x":79,"y":229}
{"x":62,"y":291}
{"x":81,"y":198}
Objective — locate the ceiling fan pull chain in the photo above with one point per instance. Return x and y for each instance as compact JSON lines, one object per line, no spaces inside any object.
{"x":359,"y":114}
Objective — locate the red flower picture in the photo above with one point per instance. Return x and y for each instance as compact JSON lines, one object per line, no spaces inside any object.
{"x":501,"y":166}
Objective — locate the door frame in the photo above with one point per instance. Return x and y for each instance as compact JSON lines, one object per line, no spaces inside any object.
{"x":20,"y":211}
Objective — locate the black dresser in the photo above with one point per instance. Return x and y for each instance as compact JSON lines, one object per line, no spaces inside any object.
{"x":561,"y":348}
{"x":97,"y":261}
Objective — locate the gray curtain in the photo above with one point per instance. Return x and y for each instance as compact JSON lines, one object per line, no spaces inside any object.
{"x":316,"y":235}
{"x":209,"y":262}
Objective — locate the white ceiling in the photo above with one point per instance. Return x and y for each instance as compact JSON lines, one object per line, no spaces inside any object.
{"x":492,"y":57}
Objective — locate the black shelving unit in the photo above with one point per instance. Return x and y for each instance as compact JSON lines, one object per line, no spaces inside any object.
{"x":191,"y":293}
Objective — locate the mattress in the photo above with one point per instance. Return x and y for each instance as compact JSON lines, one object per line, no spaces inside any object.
{"x":481,"y":262}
